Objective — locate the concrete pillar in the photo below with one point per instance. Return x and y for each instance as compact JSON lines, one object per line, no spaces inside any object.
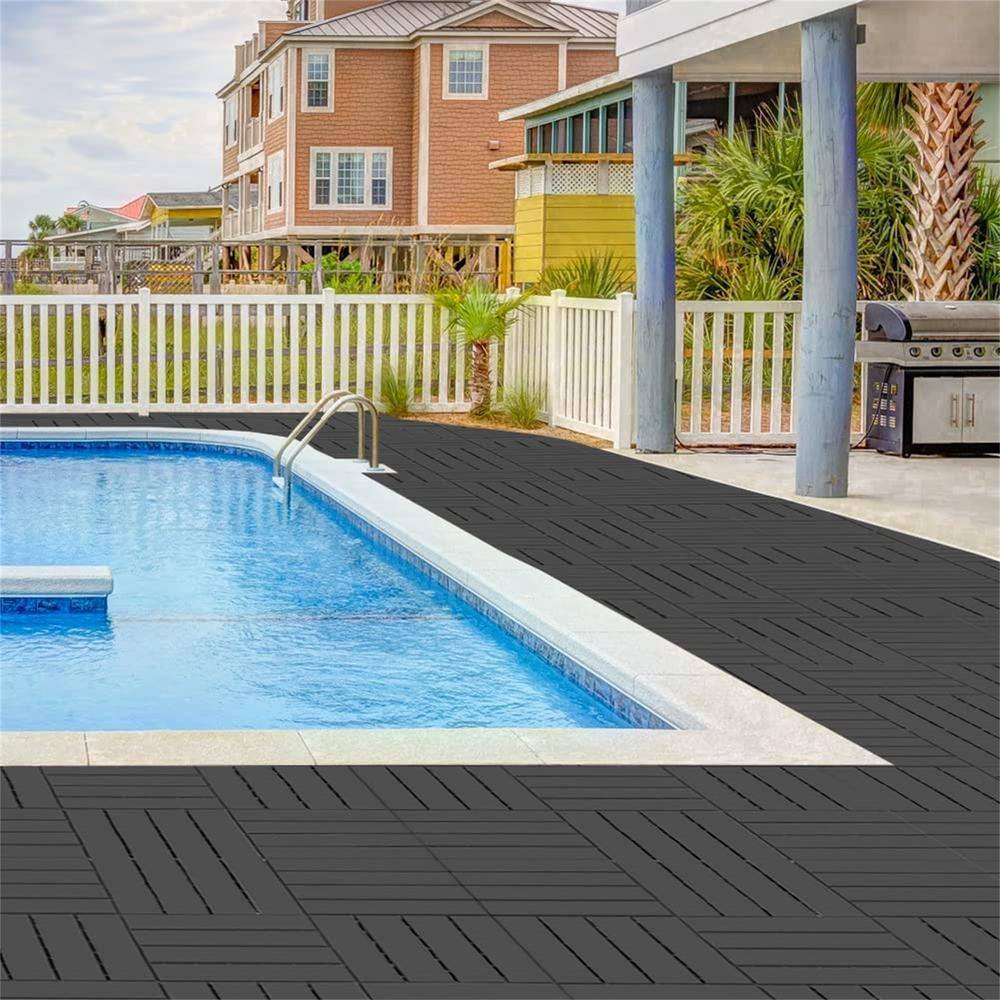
{"x":655,"y":331}
{"x":825,"y":376}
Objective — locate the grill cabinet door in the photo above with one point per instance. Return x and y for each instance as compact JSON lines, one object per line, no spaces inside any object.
{"x":937,"y":410}
{"x":981,"y":410}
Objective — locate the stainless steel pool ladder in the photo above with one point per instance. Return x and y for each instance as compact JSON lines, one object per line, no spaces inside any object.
{"x":339,"y":398}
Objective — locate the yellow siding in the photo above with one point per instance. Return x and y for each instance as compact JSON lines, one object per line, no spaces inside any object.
{"x":167,"y":214}
{"x":551,"y":230}
{"x":529,"y":238}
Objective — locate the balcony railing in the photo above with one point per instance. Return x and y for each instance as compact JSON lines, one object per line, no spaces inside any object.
{"x":253,"y":134}
{"x":230,"y":225}
{"x":251,"y":219}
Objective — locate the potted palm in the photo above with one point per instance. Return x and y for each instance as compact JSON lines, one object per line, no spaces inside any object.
{"x":478,"y":317}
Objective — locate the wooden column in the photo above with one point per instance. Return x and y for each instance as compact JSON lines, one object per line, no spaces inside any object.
{"x":655,"y":310}
{"x":824,"y":382}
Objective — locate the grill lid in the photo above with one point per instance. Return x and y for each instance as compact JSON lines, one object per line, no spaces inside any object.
{"x":933,"y":320}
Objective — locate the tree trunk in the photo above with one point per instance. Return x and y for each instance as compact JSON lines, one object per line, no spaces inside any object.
{"x":943,"y":223}
{"x":481,"y":388}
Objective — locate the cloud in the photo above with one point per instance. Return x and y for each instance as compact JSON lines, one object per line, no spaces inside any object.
{"x":104,"y":100}
{"x":97,"y":148}
{"x":15,"y":171}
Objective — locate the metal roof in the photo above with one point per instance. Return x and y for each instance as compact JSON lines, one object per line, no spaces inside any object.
{"x":403,"y":18}
{"x":185,"y":199}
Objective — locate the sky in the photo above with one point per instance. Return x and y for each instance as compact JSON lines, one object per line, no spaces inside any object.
{"x":103,"y":100}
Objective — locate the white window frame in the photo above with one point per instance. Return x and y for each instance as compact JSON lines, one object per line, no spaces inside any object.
{"x":447,"y":49}
{"x":277,"y":87}
{"x":300,"y":10}
{"x":367,"y":206}
{"x":276,"y":159}
{"x":328,"y":107}
{"x":230,"y":126}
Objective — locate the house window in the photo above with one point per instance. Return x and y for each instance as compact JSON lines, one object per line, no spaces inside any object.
{"x":275,"y":182}
{"x":627,"y":126}
{"x":317,"y":80}
{"x":300,"y":10}
{"x":467,"y":71}
{"x":352,"y":178}
{"x":380,"y":178}
{"x":576,"y":134}
{"x":229,"y":121}
{"x":276,"y":88}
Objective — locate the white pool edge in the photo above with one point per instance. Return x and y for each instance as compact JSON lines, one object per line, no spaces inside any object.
{"x":724,"y":721}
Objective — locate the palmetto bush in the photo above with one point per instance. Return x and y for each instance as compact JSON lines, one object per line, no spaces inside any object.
{"x":740,"y":214}
{"x":594,"y":275}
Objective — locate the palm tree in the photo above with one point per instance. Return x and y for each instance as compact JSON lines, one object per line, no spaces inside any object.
{"x":69,"y":222}
{"x":478,"y":315}
{"x":39,"y":229}
{"x":943,"y":224}
{"x":944,"y":235}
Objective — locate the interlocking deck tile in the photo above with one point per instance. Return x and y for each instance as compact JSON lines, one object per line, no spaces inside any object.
{"x":723,"y":883}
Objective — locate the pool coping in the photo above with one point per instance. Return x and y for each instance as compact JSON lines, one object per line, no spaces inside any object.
{"x":722,"y":720}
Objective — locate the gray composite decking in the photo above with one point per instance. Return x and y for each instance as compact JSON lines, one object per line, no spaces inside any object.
{"x":646,"y":882}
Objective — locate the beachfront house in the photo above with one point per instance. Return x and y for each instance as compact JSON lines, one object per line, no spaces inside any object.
{"x":362,"y":123}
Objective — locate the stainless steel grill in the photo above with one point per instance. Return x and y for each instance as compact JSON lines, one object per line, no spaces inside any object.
{"x":933,"y":374}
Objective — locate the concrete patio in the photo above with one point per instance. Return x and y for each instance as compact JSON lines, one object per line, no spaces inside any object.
{"x":954,"y":501}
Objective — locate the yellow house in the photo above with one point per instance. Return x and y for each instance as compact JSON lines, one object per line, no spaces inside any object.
{"x":573,"y":189}
{"x":182,"y":215}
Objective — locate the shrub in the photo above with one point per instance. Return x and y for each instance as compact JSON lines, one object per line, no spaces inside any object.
{"x":343,"y":276}
{"x":397,"y":393}
{"x":523,"y":405}
{"x":593,"y":275}
{"x":27,"y":288}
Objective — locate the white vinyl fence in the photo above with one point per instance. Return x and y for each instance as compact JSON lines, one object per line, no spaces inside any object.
{"x":152,"y":353}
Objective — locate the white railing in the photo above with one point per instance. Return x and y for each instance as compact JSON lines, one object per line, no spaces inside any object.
{"x":145,"y":353}
{"x":575,"y":355}
{"x":736,"y":361}
{"x":230,"y":224}
{"x":253,"y":134}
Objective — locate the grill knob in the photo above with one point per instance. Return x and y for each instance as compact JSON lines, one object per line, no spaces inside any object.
{"x":957,"y":351}
{"x":914,"y":352}
{"x":979,"y":351}
{"x":935,"y":352}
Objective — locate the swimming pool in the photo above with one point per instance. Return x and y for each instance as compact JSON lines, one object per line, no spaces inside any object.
{"x":236,"y":609}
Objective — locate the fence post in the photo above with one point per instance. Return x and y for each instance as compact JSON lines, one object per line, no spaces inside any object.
{"x":8,"y":267}
{"x":198,"y":273}
{"x":512,"y":331}
{"x":215,"y":279}
{"x":622,"y":381}
{"x":144,"y":336}
{"x":326,"y":358}
{"x":556,"y":319}
{"x":292,"y":268}
{"x":317,"y":282}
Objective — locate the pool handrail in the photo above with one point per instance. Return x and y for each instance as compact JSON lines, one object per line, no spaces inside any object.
{"x":340,"y":399}
{"x":320,"y":403}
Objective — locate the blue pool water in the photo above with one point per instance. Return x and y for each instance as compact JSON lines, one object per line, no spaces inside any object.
{"x":235,"y":610}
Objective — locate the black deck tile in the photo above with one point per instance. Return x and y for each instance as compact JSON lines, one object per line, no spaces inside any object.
{"x":603,"y":882}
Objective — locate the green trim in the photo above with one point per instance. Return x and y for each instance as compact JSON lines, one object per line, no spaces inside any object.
{"x":586,"y":131}
{"x":591,"y":104}
{"x":602,"y":132}
{"x":731,"y":119}
{"x":620,"y":134}
{"x":781,"y":103}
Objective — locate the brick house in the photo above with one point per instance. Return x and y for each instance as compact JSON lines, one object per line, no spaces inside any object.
{"x":353,"y":119}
